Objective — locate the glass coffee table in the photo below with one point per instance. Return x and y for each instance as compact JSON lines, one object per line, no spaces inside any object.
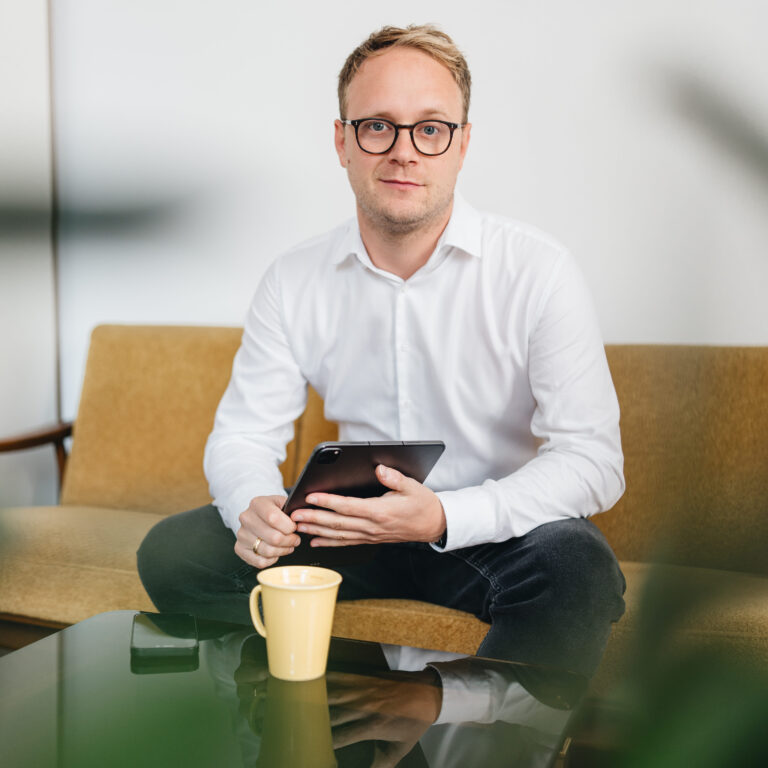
{"x":79,"y":698}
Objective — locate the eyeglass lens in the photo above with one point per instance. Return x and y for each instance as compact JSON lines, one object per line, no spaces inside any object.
{"x":430,"y":137}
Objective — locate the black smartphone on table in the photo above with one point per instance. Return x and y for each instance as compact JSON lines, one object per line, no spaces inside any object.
{"x":164,"y":642}
{"x":349,"y":469}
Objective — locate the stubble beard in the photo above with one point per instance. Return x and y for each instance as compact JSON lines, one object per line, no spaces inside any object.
{"x":399,"y":224}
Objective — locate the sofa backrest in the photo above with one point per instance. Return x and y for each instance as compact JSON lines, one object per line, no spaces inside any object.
{"x":694,"y":425}
{"x":147,"y":406}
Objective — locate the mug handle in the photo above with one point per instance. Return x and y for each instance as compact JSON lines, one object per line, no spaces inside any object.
{"x":254,"y":604}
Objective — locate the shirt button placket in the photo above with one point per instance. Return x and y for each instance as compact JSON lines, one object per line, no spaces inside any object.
{"x":402,"y":368}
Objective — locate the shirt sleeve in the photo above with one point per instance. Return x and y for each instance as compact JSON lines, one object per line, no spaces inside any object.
{"x":254,"y":420}
{"x":578,"y":470}
{"x":478,"y":691}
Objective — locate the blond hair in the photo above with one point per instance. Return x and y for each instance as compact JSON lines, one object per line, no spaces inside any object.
{"x":423,"y":37}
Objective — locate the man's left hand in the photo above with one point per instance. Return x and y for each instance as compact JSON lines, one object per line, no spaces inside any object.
{"x":409,"y":511}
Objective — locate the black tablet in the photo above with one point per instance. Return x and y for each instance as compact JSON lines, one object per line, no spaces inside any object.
{"x":349,"y":469}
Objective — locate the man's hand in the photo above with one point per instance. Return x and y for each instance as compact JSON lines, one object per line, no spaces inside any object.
{"x":393,"y":711}
{"x":409,"y":511}
{"x":251,"y":678}
{"x":264,"y":519}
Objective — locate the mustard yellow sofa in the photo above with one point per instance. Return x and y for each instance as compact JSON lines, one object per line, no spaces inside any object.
{"x":695,"y":436}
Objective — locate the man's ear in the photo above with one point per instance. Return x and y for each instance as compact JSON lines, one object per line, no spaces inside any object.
{"x":465,"y":133}
{"x":340,"y":142}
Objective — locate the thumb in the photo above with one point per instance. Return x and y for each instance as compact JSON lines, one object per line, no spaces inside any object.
{"x":393,"y":479}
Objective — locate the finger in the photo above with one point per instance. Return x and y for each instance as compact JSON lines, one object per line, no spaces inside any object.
{"x":360,"y":729}
{"x":270,"y":544}
{"x":344,"y":505}
{"x":321,"y":541}
{"x":394,"y":480}
{"x":343,"y":716}
{"x":344,"y":687}
{"x":276,"y":519}
{"x":264,"y":549}
{"x":340,"y":537}
{"x":257,"y":561}
{"x":309,"y":519}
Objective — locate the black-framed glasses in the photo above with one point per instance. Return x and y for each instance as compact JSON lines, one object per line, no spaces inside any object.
{"x":377,"y":136}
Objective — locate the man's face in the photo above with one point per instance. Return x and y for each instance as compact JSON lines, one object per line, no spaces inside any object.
{"x":402,"y":190}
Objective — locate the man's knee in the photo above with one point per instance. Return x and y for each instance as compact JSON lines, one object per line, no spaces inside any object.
{"x":578,"y":560}
{"x":175,"y":548}
{"x":155,"y":558}
{"x":155,"y":547}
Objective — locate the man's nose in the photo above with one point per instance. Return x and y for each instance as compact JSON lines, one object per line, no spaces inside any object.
{"x":403,"y":150}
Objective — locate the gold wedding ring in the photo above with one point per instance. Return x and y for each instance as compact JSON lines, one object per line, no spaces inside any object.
{"x":256,"y":545}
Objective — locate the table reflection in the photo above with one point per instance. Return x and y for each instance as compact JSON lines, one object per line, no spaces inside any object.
{"x":382,"y":705}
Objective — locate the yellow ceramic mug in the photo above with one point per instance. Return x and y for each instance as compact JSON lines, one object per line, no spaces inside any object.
{"x":298,"y":602}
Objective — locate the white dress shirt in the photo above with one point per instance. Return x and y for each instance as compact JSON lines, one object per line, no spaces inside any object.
{"x":492,"y":346}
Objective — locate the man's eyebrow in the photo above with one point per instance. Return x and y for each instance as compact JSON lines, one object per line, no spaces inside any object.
{"x":424,"y":114}
{"x":438,"y":114}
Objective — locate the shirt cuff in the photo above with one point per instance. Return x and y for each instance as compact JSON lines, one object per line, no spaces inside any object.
{"x":470,"y":517}
{"x":463,"y":702}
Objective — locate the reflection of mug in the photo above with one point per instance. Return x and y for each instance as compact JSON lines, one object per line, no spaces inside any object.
{"x":297,"y":726}
{"x":298,"y":603}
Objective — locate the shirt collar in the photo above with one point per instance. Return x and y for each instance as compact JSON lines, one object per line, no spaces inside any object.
{"x":351,"y":244}
{"x":464,"y":232}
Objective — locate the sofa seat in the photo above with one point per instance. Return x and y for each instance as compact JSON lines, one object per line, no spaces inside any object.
{"x":409,"y":622}
{"x":85,"y":563}
{"x":672,"y":609}
{"x":69,"y":562}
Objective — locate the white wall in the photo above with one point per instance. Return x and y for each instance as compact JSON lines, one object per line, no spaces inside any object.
{"x":195,"y":142}
{"x":27,"y":323}
{"x":605,"y":123}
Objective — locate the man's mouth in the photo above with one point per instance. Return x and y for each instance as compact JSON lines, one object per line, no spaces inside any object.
{"x":401,"y":183}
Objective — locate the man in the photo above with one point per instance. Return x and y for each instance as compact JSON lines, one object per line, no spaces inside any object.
{"x":420,"y":319}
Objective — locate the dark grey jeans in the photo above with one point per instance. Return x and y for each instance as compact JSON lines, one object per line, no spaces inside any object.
{"x":550,"y":596}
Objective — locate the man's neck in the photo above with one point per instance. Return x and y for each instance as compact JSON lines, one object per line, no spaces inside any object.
{"x":401,"y":253}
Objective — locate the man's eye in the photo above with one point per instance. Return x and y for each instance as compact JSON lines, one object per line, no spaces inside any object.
{"x":430,"y":130}
{"x":375,"y":126}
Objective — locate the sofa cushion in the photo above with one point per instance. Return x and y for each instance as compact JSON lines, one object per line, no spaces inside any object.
{"x":409,"y":622}
{"x":675,"y":609}
{"x":64,"y":564}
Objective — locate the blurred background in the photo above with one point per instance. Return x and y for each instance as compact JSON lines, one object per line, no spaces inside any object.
{"x":156,"y":155}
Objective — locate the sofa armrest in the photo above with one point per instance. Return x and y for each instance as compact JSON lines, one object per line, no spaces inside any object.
{"x":53,"y":433}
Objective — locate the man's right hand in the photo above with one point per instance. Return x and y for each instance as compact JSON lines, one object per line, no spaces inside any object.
{"x":265,"y":520}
